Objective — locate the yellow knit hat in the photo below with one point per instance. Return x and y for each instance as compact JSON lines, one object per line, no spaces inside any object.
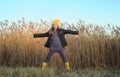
{"x":56,"y":22}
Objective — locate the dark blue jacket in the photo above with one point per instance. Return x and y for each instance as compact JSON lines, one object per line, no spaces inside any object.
{"x":61,"y":35}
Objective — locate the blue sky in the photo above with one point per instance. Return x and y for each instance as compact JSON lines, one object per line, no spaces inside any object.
{"x":99,"y":12}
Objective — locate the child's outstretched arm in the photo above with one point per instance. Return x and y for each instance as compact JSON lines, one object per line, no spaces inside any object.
{"x":71,"y":32}
{"x":41,"y":35}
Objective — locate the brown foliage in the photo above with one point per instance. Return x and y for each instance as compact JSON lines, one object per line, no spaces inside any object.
{"x":96,"y":46}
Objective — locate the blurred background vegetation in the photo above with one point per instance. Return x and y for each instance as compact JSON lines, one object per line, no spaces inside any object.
{"x":97,"y":46}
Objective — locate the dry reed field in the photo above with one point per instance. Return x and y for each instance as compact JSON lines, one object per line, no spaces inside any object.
{"x":97,"y":46}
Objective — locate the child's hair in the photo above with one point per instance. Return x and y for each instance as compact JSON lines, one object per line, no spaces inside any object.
{"x":52,"y":30}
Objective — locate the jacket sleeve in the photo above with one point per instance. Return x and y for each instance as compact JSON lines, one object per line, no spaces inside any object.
{"x":70,"y":32}
{"x":41,"y":35}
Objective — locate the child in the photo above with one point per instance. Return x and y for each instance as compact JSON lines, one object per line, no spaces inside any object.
{"x":56,"y":42}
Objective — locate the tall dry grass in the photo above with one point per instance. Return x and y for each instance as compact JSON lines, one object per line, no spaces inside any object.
{"x":97,"y":46}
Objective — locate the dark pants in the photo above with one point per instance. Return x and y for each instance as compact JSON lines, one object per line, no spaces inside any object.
{"x":51,"y":53}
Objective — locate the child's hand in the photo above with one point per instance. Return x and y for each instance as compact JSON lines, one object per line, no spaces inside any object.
{"x":79,"y":33}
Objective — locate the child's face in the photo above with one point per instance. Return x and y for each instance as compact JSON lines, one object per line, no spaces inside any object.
{"x":55,"y":26}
